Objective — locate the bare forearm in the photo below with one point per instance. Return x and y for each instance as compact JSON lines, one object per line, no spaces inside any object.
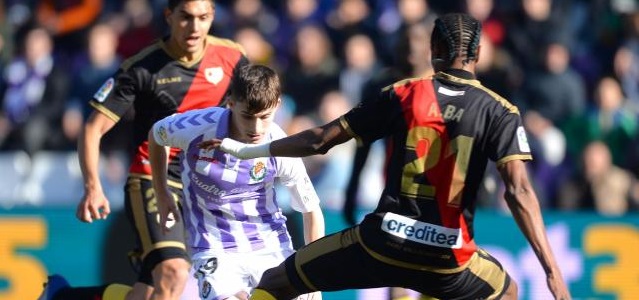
{"x":313,"y":225}
{"x":526,"y":212}
{"x":313,"y":141}
{"x":88,"y":156}
{"x":158,"y":158}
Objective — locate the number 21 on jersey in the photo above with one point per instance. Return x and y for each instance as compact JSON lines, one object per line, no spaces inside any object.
{"x":438,"y":164}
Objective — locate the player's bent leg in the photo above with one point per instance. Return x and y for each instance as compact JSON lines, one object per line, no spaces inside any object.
{"x":140,"y":291}
{"x":170,"y":278}
{"x":511,"y":291}
{"x":275,"y":285}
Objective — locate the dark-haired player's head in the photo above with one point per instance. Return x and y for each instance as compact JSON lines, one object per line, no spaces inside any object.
{"x":255,"y":97}
{"x":189,"y":24}
{"x":455,"y":38}
{"x":172,"y":4}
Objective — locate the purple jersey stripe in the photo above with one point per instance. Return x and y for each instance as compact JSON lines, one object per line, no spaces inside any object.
{"x":224,"y":228}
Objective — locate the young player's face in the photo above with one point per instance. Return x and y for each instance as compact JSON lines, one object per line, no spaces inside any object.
{"x":189,"y":23}
{"x":248,"y":127}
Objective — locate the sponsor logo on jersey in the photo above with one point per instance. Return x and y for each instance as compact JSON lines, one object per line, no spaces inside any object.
{"x":214,"y":75}
{"x":422,"y":232}
{"x":167,"y":80}
{"x":162,"y":134}
{"x":522,"y":139}
{"x":104,"y":90}
{"x":258,"y":171}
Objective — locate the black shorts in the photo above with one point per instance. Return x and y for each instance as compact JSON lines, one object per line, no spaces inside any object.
{"x":340,"y":261}
{"x":154,"y":246}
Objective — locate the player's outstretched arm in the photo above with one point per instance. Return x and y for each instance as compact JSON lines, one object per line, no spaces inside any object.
{"x":313,"y":141}
{"x":524,"y":205}
{"x":94,"y":205}
{"x":158,"y":158}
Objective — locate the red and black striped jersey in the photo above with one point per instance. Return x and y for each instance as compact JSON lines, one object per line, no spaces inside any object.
{"x":441,"y":133}
{"x":155,"y":84}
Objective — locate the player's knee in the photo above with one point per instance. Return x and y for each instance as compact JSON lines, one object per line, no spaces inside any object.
{"x":173,"y":271}
{"x":511,"y":291}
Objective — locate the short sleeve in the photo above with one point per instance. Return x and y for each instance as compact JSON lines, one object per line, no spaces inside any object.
{"x":176,"y":130}
{"x":507,"y":139}
{"x":372,"y":120}
{"x":117,"y":94}
{"x":292,"y":174}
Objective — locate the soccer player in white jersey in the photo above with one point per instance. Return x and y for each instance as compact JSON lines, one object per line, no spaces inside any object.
{"x":235,"y":226}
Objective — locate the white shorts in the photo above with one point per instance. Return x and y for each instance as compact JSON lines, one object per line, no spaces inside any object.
{"x":222,"y":275}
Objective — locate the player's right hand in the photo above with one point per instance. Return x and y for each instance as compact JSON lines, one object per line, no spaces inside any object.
{"x":94,"y":206}
{"x":167,"y":208}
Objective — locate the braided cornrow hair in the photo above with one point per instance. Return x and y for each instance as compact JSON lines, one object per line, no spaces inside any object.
{"x":456,"y":35}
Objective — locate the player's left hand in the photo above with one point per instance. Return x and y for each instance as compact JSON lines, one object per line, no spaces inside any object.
{"x":168,"y":210}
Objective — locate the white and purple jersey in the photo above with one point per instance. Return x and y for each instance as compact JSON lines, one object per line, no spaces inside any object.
{"x":230,"y":203}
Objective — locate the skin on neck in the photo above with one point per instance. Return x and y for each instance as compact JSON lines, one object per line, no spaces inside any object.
{"x":458,"y":63}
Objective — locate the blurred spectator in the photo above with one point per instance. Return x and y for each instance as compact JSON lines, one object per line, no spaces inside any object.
{"x":497,"y":70}
{"x":626,"y":66}
{"x":258,"y":49}
{"x":6,"y":39}
{"x":349,"y":18}
{"x":314,"y":70}
{"x":293,"y":16}
{"x":536,"y":24}
{"x":99,"y":62}
{"x":626,"y":61}
{"x":600,"y":185}
{"x":403,"y":15}
{"x":548,"y":146}
{"x":492,"y":27}
{"x":359,"y":67}
{"x":606,"y":121}
{"x":557,"y":92}
{"x":68,"y":21}
{"x":333,"y":172}
{"x":134,"y":27}
{"x":37,"y":89}
{"x":254,"y":14}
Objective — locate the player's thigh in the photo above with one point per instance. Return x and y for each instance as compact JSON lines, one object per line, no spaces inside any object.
{"x":155,"y":245}
{"x":482,"y":278}
{"x":258,"y":262}
{"x":220,"y":275}
{"x":332,"y":263}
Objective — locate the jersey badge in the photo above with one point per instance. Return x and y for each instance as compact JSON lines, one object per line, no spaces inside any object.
{"x":214,"y":75}
{"x":522,"y":140}
{"x":104,"y":90}
{"x":258,"y":171}
{"x":162,"y":134}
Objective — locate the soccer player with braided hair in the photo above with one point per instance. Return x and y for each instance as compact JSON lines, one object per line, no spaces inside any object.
{"x":442,"y":130}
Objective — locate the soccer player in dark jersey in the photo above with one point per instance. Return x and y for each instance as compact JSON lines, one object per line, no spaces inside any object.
{"x":442,"y":132}
{"x":189,"y":69}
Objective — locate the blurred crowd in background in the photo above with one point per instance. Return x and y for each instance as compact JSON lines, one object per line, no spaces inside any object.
{"x":571,"y":66}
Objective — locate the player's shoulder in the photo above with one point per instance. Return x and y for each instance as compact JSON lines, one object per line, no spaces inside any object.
{"x":407,"y":83}
{"x":204,"y":115}
{"x":225,"y":43}
{"x":146,"y":57}
{"x":473,"y":89}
